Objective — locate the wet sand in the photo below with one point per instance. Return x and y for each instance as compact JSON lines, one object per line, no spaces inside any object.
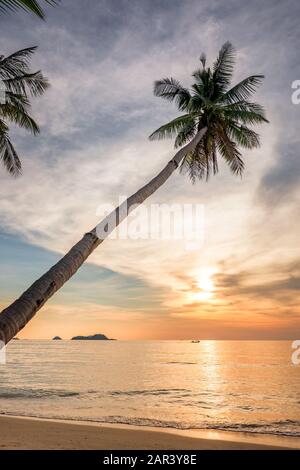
{"x":31,"y":433}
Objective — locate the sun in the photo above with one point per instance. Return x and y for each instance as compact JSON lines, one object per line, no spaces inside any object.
{"x":205,"y":284}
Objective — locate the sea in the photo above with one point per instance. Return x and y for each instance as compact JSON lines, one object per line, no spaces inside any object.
{"x":242,"y":386}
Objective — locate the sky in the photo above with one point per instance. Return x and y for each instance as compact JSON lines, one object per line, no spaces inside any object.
{"x":242,"y":281}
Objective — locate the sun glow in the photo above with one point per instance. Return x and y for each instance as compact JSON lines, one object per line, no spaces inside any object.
{"x":205,"y":285}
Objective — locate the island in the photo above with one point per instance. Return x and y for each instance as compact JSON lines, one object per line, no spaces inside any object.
{"x":97,"y":337}
{"x":56,"y":338}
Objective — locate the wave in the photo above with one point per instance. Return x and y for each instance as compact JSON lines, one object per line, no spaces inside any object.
{"x":160,"y":391}
{"x":183,"y":363}
{"x":278,"y":428}
{"x":17,"y":393}
{"x":287,"y":428}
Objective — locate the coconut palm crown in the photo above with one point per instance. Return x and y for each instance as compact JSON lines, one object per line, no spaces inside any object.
{"x":17,"y":84}
{"x":211,"y":102}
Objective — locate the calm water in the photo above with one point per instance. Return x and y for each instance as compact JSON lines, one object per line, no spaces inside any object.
{"x":239,"y":386}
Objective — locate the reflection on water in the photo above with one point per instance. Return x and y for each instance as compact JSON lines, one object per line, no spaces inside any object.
{"x":235,"y":385}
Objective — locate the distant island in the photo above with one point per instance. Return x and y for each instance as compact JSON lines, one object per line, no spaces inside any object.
{"x":56,"y":338}
{"x":97,"y":337}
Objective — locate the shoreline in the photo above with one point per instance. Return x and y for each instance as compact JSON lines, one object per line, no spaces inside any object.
{"x":20,"y":432}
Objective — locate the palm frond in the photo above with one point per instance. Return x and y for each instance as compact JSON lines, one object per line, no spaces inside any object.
{"x":246,"y":117}
{"x":229,"y":151}
{"x":18,"y":116}
{"x":192,"y":166}
{"x":170,"y":89}
{"x":197,"y":101}
{"x":203,"y":161}
{"x":20,"y":101}
{"x":17,"y":63}
{"x":171,"y":128}
{"x":34,"y":83}
{"x":186,"y":133}
{"x":245,"y":106}
{"x":223,"y":66}
{"x":32,"y":6}
{"x":203,"y":59}
{"x":243,"y":136}
{"x":243,"y":90}
{"x":8,"y":154}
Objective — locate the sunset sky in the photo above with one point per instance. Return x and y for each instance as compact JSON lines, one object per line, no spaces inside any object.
{"x":243,"y":282}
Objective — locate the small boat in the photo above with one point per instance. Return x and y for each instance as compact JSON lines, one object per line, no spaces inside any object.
{"x":196,"y":341}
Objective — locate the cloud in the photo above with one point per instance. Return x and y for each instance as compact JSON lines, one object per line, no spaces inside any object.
{"x":271,"y":290}
{"x":280,"y":183}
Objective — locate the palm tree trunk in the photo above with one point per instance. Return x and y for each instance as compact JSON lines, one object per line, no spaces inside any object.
{"x":22,"y":310}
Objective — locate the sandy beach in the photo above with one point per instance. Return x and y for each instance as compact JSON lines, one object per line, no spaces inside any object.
{"x":30,"y":433}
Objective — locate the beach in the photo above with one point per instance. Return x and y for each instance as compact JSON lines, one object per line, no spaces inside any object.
{"x":29,"y":433}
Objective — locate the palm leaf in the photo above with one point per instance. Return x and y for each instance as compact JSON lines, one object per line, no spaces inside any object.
{"x":202,"y":161}
{"x":243,"y":136}
{"x":243,"y":90}
{"x":229,"y":151}
{"x":170,"y":89}
{"x":223,"y":66}
{"x":246,"y":106}
{"x":32,"y":6}
{"x":35,"y":83}
{"x":245,"y":117}
{"x":18,"y":116}
{"x":203,"y":59}
{"x":8,"y":154}
{"x":187,"y":133}
{"x":17,"y":63}
{"x":20,"y":101}
{"x":171,"y":128}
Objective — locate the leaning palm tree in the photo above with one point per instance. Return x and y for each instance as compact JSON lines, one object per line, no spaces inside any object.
{"x":215,"y":123}
{"x":32,"y":6}
{"x":17,"y":84}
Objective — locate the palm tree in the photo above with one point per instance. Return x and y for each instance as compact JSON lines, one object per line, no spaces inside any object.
{"x":18,"y":83}
{"x":28,"y":5}
{"x":215,"y":123}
